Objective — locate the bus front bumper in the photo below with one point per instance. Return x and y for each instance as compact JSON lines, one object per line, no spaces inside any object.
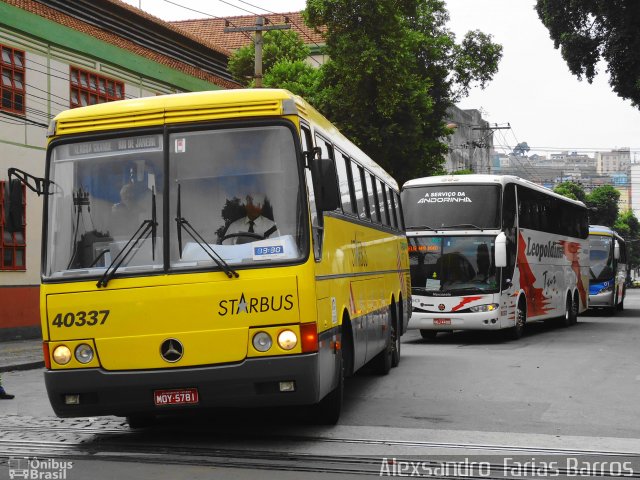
{"x":601,"y":299}
{"x":251,"y":383}
{"x":454,"y":321}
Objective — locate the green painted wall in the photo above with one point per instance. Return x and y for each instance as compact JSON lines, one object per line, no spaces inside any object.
{"x":73,"y":40}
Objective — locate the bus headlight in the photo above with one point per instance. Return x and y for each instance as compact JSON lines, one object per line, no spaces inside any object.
{"x":287,"y":339}
{"x":62,"y":355}
{"x":262,"y":341}
{"x":484,"y":308}
{"x":608,"y":289}
{"x":84,"y":353}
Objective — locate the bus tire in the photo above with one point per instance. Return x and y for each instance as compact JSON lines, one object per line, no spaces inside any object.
{"x":141,"y":420}
{"x":428,"y":334}
{"x":347,"y":348}
{"x":516,"y":332}
{"x":327,"y":411}
{"x":566,"y":319}
{"x":382,"y":361}
{"x":396,"y":333}
{"x":575,"y":310}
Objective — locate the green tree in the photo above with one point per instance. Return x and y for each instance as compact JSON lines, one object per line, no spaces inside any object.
{"x":572,"y":190}
{"x":628,"y":226}
{"x":393,"y":70}
{"x":283,"y":57}
{"x":588,"y":31}
{"x":603,"y":205}
{"x":296,"y":76}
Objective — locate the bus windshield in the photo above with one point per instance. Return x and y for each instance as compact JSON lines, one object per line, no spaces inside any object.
{"x":451,"y":206}
{"x":600,"y":258}
{"x":455,"y":265}
{"x":235,"y":191}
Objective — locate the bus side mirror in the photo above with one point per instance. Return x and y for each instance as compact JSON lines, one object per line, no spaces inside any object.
{"x":326,"y":184}
{"x":501,"y":250}
{"x":616,"y":251}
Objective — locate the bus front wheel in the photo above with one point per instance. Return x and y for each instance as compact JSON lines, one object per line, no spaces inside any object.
{"x":517,"y":330}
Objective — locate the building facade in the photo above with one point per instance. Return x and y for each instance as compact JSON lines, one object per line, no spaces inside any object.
{"x":471,"y":142}
{"x":60,"y":55}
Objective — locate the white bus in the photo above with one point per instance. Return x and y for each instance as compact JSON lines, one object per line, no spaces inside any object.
{"x":493,"y":252}
{"x":607,"y":269}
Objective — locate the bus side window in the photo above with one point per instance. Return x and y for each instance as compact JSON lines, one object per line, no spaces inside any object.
{"x":352,"y":193}
{"x":374,"y":202}
{"x":392,"y":208}
{"x":399,"y":212}
{"x":509,"y":223}
{"x":384,"y":205}
{"x":359,"y":191}
{"x":317,"y":220}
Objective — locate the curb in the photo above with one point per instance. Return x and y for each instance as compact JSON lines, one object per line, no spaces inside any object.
{"x":22,"y":366}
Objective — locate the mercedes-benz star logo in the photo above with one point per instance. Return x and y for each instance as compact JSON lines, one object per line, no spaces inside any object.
{"x":441,"y":307}
{"x":171,"y":350}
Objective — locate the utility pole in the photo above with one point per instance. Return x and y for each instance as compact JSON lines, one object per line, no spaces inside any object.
{"x":260,"y":26}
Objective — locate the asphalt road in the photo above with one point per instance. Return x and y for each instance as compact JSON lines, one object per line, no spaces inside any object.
{"x":556,"y":390}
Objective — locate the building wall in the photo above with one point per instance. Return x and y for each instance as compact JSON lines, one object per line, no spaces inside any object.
{"x":471,"y":142}
{"x":50,"y":49}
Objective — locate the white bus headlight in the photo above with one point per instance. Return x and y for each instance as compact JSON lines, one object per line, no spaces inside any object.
{"x":484,"y":308}
{"x":62,"y":355}
{"x":608,"y":289}
{"x":84,"y":353}
{"x":262,"y":341}
{"x":287,"y":339}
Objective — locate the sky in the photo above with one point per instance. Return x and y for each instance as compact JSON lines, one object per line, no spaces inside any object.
{"x":533,"y":91}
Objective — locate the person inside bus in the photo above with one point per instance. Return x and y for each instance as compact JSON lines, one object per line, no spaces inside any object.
{"x":134,"y":207}
{"x":254,"y":224}
{"x":483,"y":262}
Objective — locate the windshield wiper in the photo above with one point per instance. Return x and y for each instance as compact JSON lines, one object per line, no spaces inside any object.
{"x":146,"y":228}
{"x":421,"y":227}
{"x":193,"y":233}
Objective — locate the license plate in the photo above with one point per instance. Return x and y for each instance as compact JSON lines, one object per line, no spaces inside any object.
{"x":442,"y":321}
{"x":183,"y":396}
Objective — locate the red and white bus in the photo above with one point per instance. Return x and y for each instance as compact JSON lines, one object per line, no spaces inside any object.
{"x":493,"y":252}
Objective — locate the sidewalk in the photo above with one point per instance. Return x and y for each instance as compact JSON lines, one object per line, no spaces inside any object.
{"x":21,"y":355}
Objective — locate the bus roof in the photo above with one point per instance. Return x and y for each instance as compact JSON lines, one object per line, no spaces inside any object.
{"x":603,"y":230}
{"x":206,"y":106}
{"x":479,"y":178}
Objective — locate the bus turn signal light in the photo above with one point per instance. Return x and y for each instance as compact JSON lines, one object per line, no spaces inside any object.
{"x":309,"y":337}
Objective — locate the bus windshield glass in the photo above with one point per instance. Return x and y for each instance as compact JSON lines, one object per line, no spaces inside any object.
{"x":455,"y":265}
{"x":466,"y":207}
{"x":234,"y":196}
{"x":239,"y":189}
{"x":600,"y":258}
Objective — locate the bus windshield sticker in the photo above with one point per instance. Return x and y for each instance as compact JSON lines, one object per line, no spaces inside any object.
{"x":445,"y":197}
{"x":433,"y":284}
{"x":181,"y":145}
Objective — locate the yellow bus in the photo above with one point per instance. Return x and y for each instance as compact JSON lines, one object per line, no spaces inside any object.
{"x":215,"y":249}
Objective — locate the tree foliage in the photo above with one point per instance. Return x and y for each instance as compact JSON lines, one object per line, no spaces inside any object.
{"x":283,"y":63}
{"x":603,"y":205}
{"x":572,"y":190}
{"x":628,"y":226}
{"x":393,"y":70}
{"x":587,"y":31}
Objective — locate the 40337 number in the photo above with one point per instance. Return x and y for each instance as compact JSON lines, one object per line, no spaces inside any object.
{"x":81,"y":318}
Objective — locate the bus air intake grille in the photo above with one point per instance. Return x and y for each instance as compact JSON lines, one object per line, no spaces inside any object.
{"x":213,"y":112}
{"x":108,"y":122}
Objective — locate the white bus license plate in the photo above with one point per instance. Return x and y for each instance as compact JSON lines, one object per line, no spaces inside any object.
{"x":442,"y":321}
{"x":184,"y":396}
